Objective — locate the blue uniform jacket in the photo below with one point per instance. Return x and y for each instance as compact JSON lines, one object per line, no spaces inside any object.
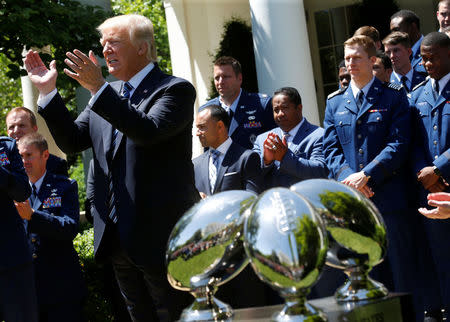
{"x":416,"y":59}
{"x":417,"y":78}
{"x":53,"y":226}
{"x":253,"y":116}
{"x":14,"y":246}
{"x":303,"y":160}
{"x":374,"y":139}
{"x":431,"y":121}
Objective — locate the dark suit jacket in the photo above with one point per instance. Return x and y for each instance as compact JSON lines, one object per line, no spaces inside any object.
{"x":253,"y":116}
{"x":57,"y":165}
{"x":151,"y":166}
{"x":14,"y":185}
{"x":239,"y":171}
{"x":53,"y":226}
{"x":303,"y":160}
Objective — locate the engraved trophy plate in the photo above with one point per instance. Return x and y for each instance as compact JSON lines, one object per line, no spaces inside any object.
{"x":356,"y":234}
{"x":206,"y":250}
{"x":286,"y":242}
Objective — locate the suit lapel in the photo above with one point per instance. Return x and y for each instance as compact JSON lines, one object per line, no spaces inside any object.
{"x":204,"y":177}
{"x":302,"y":132}
{"x":371,"y":98}
{"x":224,"y":166}
{"x":350,"y":102}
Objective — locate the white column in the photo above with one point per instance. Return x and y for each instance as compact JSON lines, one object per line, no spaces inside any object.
{"x":282,"y":53}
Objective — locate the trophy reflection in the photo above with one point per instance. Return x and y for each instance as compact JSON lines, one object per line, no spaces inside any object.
{"x":356,"y":234}
{"x":205,"y":250}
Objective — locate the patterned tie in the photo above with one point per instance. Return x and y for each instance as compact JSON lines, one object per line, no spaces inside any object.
{"x":33,"y":196}
{"x":404,"y":80}
{"x":213,"y":167}
{"x":126,"y":91}
{"x":286,"y":136}
{"x":359,"y":99}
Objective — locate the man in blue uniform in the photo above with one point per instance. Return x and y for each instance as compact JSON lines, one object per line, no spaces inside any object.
{"x":367,"y":130}
{"x":250,"y":113}
{"x":17,"y":291}
{"x":407,"y":21}
{"x":52,"y":213}
{"x":398,"y":47}
{"x":430,"y":103}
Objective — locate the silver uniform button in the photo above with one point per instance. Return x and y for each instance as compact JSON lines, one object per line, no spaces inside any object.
{"x":340,"y":123}
{"x":34,"y":256}
{"x":33,"y":240}
{"x":435,"y":157}
{"x":359,"y":136}
{"x":435,"y":127}
{"x":361,"y":151}
{"x":435,"y":142}
{"x":361,"y":165}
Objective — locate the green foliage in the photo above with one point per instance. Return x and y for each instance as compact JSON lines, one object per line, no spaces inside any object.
{"x":154,"y":10}
{"x":10,"y":92}
{"x":237,"y":42}
{"x":76,"y":172}
{"x":96,"y":308}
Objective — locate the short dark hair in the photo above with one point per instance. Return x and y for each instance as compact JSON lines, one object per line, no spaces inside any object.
{"x":342,"y":64}
{"x":368,"y":31}
{"x":385,"y":60}
{"x":397,"y":38}
{"x":436,"y":38}
{"x":291,"y":93}
{"x":30,"y":113}
{"x":35,"y":139}
{"x":218,"y":113}
{"x":228,"y":60}
{"x":408,"y":16}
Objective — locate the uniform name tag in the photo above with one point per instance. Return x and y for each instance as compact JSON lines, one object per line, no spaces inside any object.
{"x":52,"y":202}
{"x":4,"y":159}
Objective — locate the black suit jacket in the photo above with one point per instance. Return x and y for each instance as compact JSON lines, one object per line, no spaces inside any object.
{"x":57,"y":165}
{"x":151,"y":164}
{"x":240,"y":170}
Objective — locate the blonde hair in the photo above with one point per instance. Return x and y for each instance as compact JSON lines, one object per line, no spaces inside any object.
{"x":364,"y":41}
{"x":139,"y":27}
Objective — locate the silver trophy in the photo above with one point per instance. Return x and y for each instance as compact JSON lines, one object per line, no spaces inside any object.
{"x":356,"y":234}
{"x":286,"y":242}
{"x":206,"y":250}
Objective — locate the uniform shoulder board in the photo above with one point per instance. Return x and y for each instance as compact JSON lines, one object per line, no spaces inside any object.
{"x":397,"y":87}
{"x":420,"y":84}
{"x":6,"y":138}
{"x":339,"y":91}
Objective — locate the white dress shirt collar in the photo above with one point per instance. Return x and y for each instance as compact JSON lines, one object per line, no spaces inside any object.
{"x":365,"y":89}
{"x":137,"y":79}
{"x":233,"y":105}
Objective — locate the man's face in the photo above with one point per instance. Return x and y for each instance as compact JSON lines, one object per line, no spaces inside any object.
{"x":33,"y":160}
{"x":344,"y":77}
{"x":227,"y":83}
{"x":436,"y":60}
{"x":18,"y":124}
{"x":122,"y":57}
{"x":358,"y":62}
{"x":207,"y":129}
{"x":397,"y":24}
{"x":443,"y":15}
{"x":380,"y":72}
{"x":399,"y":56}
{"x":285,"y":113}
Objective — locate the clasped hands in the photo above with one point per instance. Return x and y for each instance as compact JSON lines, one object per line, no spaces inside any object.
{"x":430,"y":180}
{"x":86,"y":70}
{"x":359,"y":181}
{"x":24,"y":209}
{"x":274,"y":148}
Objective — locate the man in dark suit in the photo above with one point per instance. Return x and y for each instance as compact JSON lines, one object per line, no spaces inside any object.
{"x":17,"y":290}
{"x":291,"y":152}
{"x":52,"y":213}
{"x":140,"y":130}
{"x":398,"y":47}
{"x":250,"y":113}
{"x":21,"y":121}
{"x":407,"y":21}
{"x":226,"y":165}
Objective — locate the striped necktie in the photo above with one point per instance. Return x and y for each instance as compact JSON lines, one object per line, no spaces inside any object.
{"x":213,"y":167}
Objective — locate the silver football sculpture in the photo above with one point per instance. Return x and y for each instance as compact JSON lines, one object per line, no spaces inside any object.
{"x":205,"y":250}
{"x":356,"y":234}
{"x":286,"y":242}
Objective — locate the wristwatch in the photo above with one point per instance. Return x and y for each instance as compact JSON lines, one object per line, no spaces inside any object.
{"x":437,"y":171}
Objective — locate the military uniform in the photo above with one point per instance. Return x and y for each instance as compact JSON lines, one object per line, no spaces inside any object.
{"x":416,"y":57}
{"x":253,"y":116}
{"x":375,"y":139}
{"x":417,"y":78}
{"x":431,"y":121}
{"x":53,"y":226}
{"x":17,"y":292}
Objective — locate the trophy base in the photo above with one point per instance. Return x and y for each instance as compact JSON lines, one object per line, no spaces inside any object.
{"x":207,"y":310}
{"x":295,"y":312}
{"x":360,"y":289}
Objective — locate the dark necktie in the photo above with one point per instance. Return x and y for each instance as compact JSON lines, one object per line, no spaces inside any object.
{"x":360,"y":99}
{"x":230,"y":113}
{"x":436,"y":89}
{"x":404,"y":80}
{"x":213,"y":167}
{"x":33,"y":196}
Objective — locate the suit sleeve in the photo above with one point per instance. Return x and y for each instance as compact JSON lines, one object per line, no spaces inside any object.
{"x":170,"y":113}
{"x":252,"y":173}
{"x":334,"y":154}
{"x":258,"y":147}
{"x":301,"y":168}
{"x":70,"y":136}
{"x":393,"y":156}
{"x":61,"y":226}
{"x":13,"y":179}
